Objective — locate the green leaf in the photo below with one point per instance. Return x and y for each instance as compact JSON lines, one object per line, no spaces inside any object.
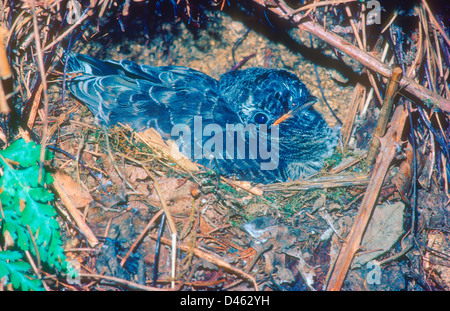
{"x":14,"y":270}
{"x":27,"y":205}
{"x":20,"y":151}
{"x":9,"y":255}
{"x":20,"y":280}
{"x":27,"y":154}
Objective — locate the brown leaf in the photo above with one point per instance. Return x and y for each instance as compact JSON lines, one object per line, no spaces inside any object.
{"x":77,"y":194}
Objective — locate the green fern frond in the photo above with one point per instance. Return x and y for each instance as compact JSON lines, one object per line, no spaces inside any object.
{"x":26,"y":205}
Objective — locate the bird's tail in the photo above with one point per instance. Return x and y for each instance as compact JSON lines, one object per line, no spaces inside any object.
{"x":79,"y":63}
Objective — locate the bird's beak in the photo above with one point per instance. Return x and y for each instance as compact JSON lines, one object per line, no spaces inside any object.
{"x":292,"y":112}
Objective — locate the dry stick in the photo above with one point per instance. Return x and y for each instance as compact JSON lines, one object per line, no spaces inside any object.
{"x":33,"y":264}
{"x":78,"y":160}
{"x":68,"y":31}
{"x":35,"y":269}
{"x":43,"y":74}
{"x":35,"y":106}
{"x":353,"y":241}
{"x":211,"y":258}
{"x":419,"y":55}
{"x":435,"y":22}
{"x":428,"y":52}
{"x":407,"y":85}
{"x":75,"y":214}
{"x":12,"y":29}
{"x":363,"y":26}
{"x":344,"y":166}
{"x":329,"y":181}
{"x":315,"y":5}
{"x":371,"y":62}
{"x":36,"y":250}
{"x":5,"y":73}
{"x":359,"y":94}
{"x":354,"y":28}
{"x":158,"y":191}
{"x":386,"y":111}
{"x":141,"y":236}
{"x":5,"y":69}
{"x":244,"y":186}
{"x":439,"y":61}
{"x":122,"y":281}
{"x":172,"y":226}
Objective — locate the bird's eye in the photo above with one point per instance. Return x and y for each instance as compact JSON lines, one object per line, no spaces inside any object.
{"x":261,"y":118}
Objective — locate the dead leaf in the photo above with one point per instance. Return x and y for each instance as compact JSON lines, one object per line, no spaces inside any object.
{"x":77,"y":194}
{"x":384,"y":229}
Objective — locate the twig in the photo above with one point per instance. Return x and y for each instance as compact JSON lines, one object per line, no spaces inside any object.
{"x":358,"y":96}
{"x":315,"y":5}
{"x":344,"y":180}
{"x":5,"y":70}
{"x":122,"y":281}
{"x":326,"y":216}
{"x":69,"y":30}
{"x":355,"y":29}
{"x":141,"y":236}
{"x":375,"y":89}
{"x":435,"y":22}
{"x":249,"y":265}
{"x":362,"y":46}
{"x":408,"y":86}
{"x":419,"y":55}
{"x":211,"y":258}
{"x":42,"y":73}
{"x":363,"y":26}
{"x":235,"y":46}
{"x":353,"y":241}
{"x":429,"y":59}
{"x":158,"y":251}
{"x":246,"y":186}
{"x":86,"y":167}
{"x":5,"y":73}
{"x":35,"y":269}
{"x":172,"y":226}
{"x":386,"y":110}
{"x":36,"y":250}
{"x":35,"y":106}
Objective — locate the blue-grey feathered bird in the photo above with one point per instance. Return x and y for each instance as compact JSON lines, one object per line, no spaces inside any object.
{"x":255,"y":124}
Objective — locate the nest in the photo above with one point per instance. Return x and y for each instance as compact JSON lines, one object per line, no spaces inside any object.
{"x":134,"y":214}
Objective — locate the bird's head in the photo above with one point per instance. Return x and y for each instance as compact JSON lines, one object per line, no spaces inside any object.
{"x":279,"y":99}
{"x":263,"y":96}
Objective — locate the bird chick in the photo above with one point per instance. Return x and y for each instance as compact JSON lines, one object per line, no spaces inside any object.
{"x":255,"y":124}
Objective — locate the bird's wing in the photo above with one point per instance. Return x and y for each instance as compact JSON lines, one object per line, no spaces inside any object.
{"x":144,"y":96}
